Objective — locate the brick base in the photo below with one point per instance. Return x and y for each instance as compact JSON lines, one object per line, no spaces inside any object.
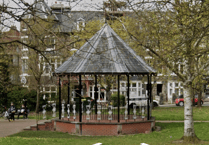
{"x":97,"y":129}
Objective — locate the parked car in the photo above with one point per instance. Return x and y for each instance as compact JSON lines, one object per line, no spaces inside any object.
{"x":180,"y":100}
{"x":141,"y":101}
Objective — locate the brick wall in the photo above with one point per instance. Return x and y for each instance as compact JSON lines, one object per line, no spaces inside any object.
{"x":41,"y":127}
{"x":65,"y":127}
{"x":49,"y":126}
{"x":101,"y":129}
{"x":34,"y":128}
{"x":136,"y":128}
{"x":97,"y":129}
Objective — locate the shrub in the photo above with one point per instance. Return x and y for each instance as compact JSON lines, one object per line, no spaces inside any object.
{"x":114,"y":99}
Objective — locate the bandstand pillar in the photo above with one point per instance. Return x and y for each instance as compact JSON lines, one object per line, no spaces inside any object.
{"x":118,"y":98}
{"x":68,"y":98}
{"x":59,"y":98}
{"x":148,"y":98}
{"x":80,"y":104}
{"x":95,"y":94}
{"x":128,"y":94}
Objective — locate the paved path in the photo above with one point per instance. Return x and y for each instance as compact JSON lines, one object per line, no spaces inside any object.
{"x":9,"y":128}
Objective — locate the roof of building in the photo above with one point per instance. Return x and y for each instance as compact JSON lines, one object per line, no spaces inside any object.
{"x":105,"y":53}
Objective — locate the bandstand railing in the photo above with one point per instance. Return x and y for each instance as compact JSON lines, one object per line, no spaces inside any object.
{"x":103,"y":113}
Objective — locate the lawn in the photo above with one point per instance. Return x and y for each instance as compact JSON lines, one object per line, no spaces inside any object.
{"x":177,"y":113}
{"x":169,"y":133}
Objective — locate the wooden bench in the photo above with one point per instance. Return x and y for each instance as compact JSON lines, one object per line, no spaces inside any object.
{"x":18,"y":113}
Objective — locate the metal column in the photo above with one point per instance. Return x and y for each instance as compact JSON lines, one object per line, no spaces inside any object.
{"x":118,"y":98}
{"x":128,"y":94}
{"x":148,"y":98}
{"x":68,"y":99}
{"x":80,"y":109}
{"x":59,"y":98}
{"x":151,"y":94}
{"x":95,"y":94}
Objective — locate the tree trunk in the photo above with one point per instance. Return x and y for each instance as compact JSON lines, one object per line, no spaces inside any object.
{"x":199,"y":99}
{"x":108,"y":96}
{"x":189,"y":134}
{"x":37,"y":100}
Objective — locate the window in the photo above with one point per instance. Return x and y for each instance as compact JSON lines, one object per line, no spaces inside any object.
{"x":171,"y":91}
{"x":143,"y":89}
{"x":49,"y":42}
{"x":139,"y":89}
{"x":123,"y":93}
{"x":149,"y":61}
{"x":123,"y":84}
{"x":47,"y":68}
{"x":139,"y":93}
{"x":177,"y":91}
{"x":181,"y":91}
{"x":25,"y":64}
{"x":24,"y":40}
{"x":25,"y":53}
{"x":114,"y":86}
{"x":53,"y":89}
{"x":47,"y":88}
{"x":80,"y":24}
{"x":58,"y":62}
{"x":134,"y":85}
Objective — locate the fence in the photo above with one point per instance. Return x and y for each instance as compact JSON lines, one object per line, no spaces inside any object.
{"x":105,"y":112}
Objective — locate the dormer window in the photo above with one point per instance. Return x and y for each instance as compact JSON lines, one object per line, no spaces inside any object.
{"x":80,"y":24}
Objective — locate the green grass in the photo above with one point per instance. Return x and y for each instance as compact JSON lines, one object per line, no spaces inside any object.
{"x":177,"y":113}
{"x":169,"y":133}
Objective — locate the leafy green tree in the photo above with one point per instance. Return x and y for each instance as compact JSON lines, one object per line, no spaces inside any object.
{"x":175,"y":32}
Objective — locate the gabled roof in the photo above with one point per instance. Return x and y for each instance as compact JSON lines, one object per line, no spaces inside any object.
{"x":105,"y":53}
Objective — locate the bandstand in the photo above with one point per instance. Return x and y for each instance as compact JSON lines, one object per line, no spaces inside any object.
{"x":104,"y":54}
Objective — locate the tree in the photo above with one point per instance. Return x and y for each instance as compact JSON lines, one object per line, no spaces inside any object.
{"x":175,"y":32}
{"x":41,"y":30}
{"x":40,"y":38}
{"x":9,"y":68}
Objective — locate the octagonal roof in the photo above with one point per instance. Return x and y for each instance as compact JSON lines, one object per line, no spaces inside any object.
{"x":105,"y":53}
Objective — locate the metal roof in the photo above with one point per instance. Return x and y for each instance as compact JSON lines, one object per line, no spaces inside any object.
{"x":105,"y":53}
